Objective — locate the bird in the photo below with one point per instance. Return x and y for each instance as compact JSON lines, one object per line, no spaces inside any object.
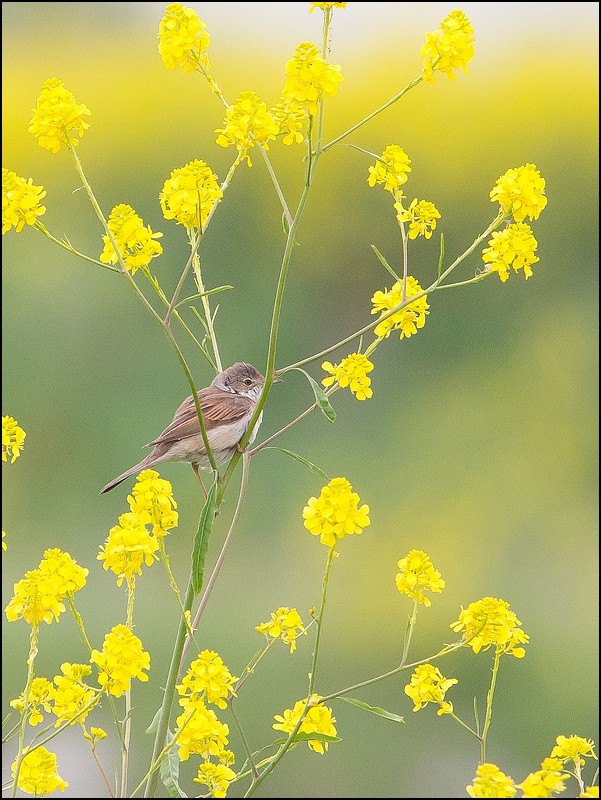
{"x":227,"y":406}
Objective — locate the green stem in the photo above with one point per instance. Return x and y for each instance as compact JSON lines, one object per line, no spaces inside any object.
{"x":70,"y":249}
{"x":467,"y":727}
{"x":33,"y":650}
{"x":489,"y":699}
{"x":319,"y":620}
{"x":245,"y":744}
{"x":409,"y":632}
{"x":277,"y":187}
{"x":125,"y":744}
{"x":417,"y":80}
{"x":79,"y":621}
{"x":435,"y":286}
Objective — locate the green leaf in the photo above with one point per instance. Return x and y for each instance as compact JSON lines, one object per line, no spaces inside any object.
{"x":201,"y":540}
{"x":203,"y":294}
{"x":441,"y":257}
{"x":313,"y":467}
{"x":155,"y":723}
{"x":384,"y":263}
{"x":169,"y":772}
{"x":374,"y":710}
{"x":321,"y":399}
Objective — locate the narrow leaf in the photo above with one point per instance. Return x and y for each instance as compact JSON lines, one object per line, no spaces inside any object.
{"x":169,"y":772}
{"x":203,"y":294}
{"x":321,"y":399}
{"x":374,"y":710}
{"x":441,"y":257}
{"x":384,"y":263}
{"x":201,"y":540}
{"x":313,"y":467}
{"x":155,"y":722}
{"x":363,"y":150}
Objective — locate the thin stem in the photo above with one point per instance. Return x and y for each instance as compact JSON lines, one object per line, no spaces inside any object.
{"x":409,"y":633}
{"x":467,"y":727}
{"x":227,"y":541}
{"x":102,"y":772}
{"x":245,"y":744}
{"x":435,"y":286}
{"x":277,"y":187}
{"x":79,"y":621}
{"x":489,"y":699}
{"x":319,"y":619}
{"x":70,"y":249}
{"x":171,"y":305}
{"x":417,"y":80}
{"x":33,"y":650}
{"x":131,"y":593}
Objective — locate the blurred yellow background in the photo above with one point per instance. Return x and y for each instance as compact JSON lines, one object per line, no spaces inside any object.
{"x":479,"y":446}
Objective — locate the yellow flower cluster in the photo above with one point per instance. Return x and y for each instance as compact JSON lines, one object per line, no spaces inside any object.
{"x":520,"y":192}
{"x":408,"y":319}
{"x":285,"y":624}
{"x":325,"y":6}
{"x":130,"y":544}
{"x":72,"y":695}
{"x":152,"y":500}
{"x":38,"y":774}
{"x":429,"y":685}
{"x":13,"y":439}
{"x":448,"y":48}
{"x":189,"y":194}
{"x":216,"y":776}
{"x":546,"y":781}
{"x":291,"y":117}
{"x":56,"y":115}
{"x":421,"y":217}
{"x":491,"y":622}
{"x":203,"y":734}
{"x":352,"y":372}
{"x":136,"y":243}
{"x":491,"y":782}
{"x":309,"y":77}
{"x":335,"y":513}
{"x":38,"y":596}
{"x":207,"y":679}
{"x":319,"y":719}
{"x":41,"y":695}
{"x":515,"y":246}
{"x":21,"y":201}
{"x":390,"y":169}
{"x":247,"y":122}
{"x":417,"y":576}
{"x":183,"y":38}
{"x":121,"y":659}
{"x":573,"y":748}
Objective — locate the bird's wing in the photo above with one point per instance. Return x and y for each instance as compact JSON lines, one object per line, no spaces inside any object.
{"x":216,"y":406}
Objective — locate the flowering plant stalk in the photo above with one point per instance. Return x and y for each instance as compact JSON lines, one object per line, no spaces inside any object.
{"x":187,"y":725}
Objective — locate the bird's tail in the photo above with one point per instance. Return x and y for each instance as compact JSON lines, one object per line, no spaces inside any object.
{"x":149,"y":461}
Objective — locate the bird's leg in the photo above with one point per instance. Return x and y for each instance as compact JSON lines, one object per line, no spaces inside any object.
{"x":195,"y":468}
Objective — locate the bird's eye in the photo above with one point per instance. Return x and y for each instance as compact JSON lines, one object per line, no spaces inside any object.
{"x":247,"y":381}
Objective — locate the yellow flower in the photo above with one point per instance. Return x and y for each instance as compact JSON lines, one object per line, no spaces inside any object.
{"x":490,"y":621}
{"x":590,"y":791}
{"x":283,"y":625}
{"x":448,"y":48}
{"x":152,"y":500}
{"x":421,"y":217}
{"x":491,"y":782}
{"x":408,"y":319}
{"x":189,"y":194}
{"x":291,"y":117}
{"x":128,"y":546}
{"x":390,"y":169}
{"x":122,"y":658}
{"x":57,"y":114}
{"x":352,"y":372}
{"x":573,"y":748}
{"x":97,"y":733}
{"x":247,"y":122}
{"x":544,"y":782}
{"x":520,"y":192}
{"x":326,"y":6}
{"x":4,"y":545}
{"x":20,"y":201}
{"x":137,"y":245}
{"x":183,"y":38}
{"x":41,"y":694}
{"x":309,"y":78}
{"x":35,"y":599}
{"x":72,"y":695}
{"x":216,"y":777}
{"x":38,"y":774}
{"x":417,"y":576}
{"x":513,"y":247}
{"x":13,"y":438}
{"x":68,"y":576}
{"x":207,"y":679}
{"x":319,"y":719}
{"x":202,"y":733}
{"x":429,"y":685}
{"x":335,"y":513}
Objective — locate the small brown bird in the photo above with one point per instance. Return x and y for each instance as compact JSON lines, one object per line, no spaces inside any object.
{"x":227,"y":406}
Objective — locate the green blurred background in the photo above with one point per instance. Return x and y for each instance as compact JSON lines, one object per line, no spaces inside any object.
{"x":479,"y":445}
